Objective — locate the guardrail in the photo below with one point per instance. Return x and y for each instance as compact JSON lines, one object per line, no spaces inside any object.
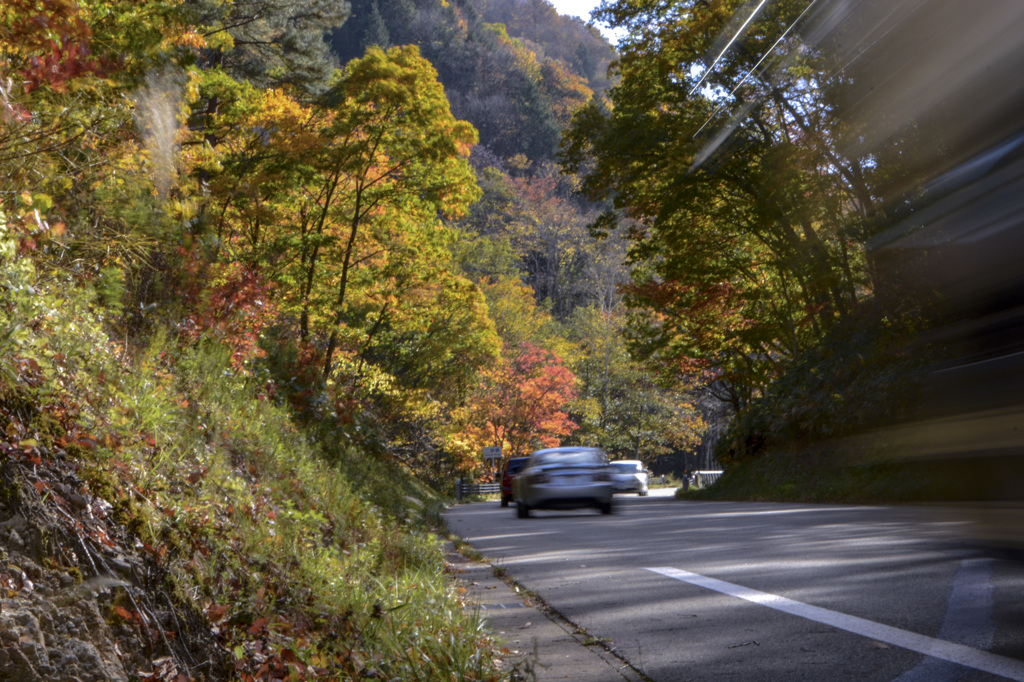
{"x":702,"y":479}
{"x":464,"y":488}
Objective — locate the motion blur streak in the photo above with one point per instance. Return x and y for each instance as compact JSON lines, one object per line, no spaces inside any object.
{"x":947,"y":65}
{"x":951,"y":245}
{"x":955,"y":249}
{"x":937,"y":83}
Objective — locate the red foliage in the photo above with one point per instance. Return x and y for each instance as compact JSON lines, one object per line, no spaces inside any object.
{"x":545,"y":387}
{"x":523,"y":404}
{"x":54,"y":39}
{"x":63,"y":62}
{"x":234,"y":310}
{"x":30,"y":24}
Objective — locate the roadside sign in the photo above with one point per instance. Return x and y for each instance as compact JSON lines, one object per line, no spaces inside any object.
{"x":492,"y":453}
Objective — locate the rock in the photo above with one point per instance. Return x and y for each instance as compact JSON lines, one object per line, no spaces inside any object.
{"x":16,"y":522}
{"x":78,"y":501}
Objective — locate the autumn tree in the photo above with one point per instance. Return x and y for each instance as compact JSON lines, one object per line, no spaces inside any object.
{"x":513,"y":307}
{"x":319,"y":191}
{"x":414,"y":361}
{"x":621,"y":405}
{"x":534,"y":215}
{"x":549,"y":231}
{"x":77,"y":139}
{"x":735,"y":195}
{"x":407,"y":153}
{"x":521,"y":404}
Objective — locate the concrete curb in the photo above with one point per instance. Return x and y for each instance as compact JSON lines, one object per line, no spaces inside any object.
{"x":541,"y":646}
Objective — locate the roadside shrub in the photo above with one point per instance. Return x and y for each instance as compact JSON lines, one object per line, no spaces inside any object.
{"x":864,"y":373}
{"x":278,"y":546}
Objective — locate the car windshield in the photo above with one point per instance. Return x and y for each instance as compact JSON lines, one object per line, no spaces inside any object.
{"x":514,"y":465}
{"x":569,"y":458}
{"x":626,"y":467}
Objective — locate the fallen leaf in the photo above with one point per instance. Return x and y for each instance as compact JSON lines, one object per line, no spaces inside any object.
{"x":216,"y":613}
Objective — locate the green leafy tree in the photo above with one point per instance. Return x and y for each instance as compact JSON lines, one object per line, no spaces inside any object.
{"x":620,"y":405}
{"x":736,"y":196}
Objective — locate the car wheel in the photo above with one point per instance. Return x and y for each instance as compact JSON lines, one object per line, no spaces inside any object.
{"x":522,"y":511}
{"x":504,"y":501}
{"x":605,"y":508}
{"x":642,"y":493}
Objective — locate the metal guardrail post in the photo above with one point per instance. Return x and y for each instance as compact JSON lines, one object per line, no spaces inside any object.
{"x":702,"y":478}
{"x":462,"y":489}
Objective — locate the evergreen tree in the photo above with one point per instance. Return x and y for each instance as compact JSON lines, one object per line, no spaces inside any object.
{"x":270,"y":42}
{"x":377,"y":30}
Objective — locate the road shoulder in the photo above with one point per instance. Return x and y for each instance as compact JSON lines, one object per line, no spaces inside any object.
{"x":541,"y":645}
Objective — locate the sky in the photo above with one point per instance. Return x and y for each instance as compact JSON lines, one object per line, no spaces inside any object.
{"x":575,"y":8}
{"x":581,"y":9}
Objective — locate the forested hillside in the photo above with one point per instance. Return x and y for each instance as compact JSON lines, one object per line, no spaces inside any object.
{"x":273,"y":276}
{"x":516,"y":70}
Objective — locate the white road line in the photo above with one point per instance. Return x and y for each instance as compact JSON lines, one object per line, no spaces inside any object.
{"x":968,"y":621}
{"x":506,"y":536}
{"x":929,"y":646}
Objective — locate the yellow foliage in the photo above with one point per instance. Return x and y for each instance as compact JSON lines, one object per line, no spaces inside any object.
{"x":291,"y":126}
{"x":220,"y":40}
{"x":188,"y":38}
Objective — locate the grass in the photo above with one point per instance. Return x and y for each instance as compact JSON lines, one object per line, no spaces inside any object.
{"x":281,"y":530}
{"x":670,"y":482}
{"x":308,"y":559}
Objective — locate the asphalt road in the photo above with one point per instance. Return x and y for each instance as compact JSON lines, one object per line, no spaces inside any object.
{"x":774,"y":592}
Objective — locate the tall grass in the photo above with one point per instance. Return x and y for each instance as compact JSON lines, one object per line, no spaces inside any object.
{"x":264,"y":521}
{"x":302,"y":554}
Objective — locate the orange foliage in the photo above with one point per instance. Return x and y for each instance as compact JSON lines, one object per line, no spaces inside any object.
{"x":521,"y":406}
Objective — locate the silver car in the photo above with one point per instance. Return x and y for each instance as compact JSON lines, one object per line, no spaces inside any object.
{"x":564,"y":478}
{"x":630,"y":476}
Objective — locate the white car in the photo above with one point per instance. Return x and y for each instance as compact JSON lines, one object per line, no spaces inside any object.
{"x":630,"y":476}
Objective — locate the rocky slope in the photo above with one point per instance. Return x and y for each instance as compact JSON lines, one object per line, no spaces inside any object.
{"x":80,"y":599}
